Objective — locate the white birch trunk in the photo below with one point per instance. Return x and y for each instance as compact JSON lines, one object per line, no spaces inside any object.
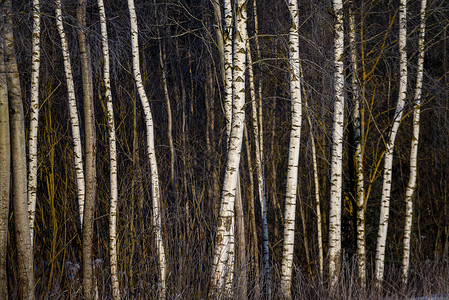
{"x":265,"y":236}
{"x":337,"y":147}
{"x":112,"y":156}
{"x":388,"y":160}
{"x":358,"y":158}
{"x":260,"y":175}
{"x":224,"y":257}
{"x":414,"y":148}
{"x":73,"y":111}
{"x":34,"y":117}
{"x":228,"y":66}
{"x":293,"y":152}
{"x":155,"y":192}
{"x":225,"y":44}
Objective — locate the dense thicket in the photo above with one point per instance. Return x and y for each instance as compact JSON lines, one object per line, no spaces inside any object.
{"x":190,"y":201}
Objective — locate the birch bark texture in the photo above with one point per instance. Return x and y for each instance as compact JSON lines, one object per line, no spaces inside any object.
{"x":411,"y":186}
{"x":293,"y":151}
{"x":388,"y":160}
{"x":34,"y":116}
{"x":225,"y":231}
{"x":155,"y":190}
{"x":337,"y":147}
{"x":112,"y":155}
{"x":260,"y":171}
{"x":18,"y":162}
{"x":225,"y":47}
{"x":228,"y":65}
{"x":259,"y":142}
{"x":73,"y":112}
{"x":358,"y":156}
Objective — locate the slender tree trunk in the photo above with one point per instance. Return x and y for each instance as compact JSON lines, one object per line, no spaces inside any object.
{"x":155,"y":191}
{"x":5,"y":164}
{"x":73,"y":111}
{"x":228,"y":66}
{"x":388,"y":160}
{"x":337,"y":148}
{"x":241,"y":265}
{"x":210,"y":111}
{"x":34,"y":117}
{"x":293,"y":152}
{"x":252,"y":216}
{"x":358,"y":156}
{"x":315,"y":180}
{"x":278,"y":216}
{"x":317,"y":198}
{"x":162,"y":60}
{"x":223,"y":257}
{"x":411,"y":186}
{"x":19,"y":167}
{"x":112,"y":156}
{"x":220,"y":36}
{"x":304,"y":233}
{"x":260,"y":172}
{"x":224,"y":42}
{"x":89,"y":285}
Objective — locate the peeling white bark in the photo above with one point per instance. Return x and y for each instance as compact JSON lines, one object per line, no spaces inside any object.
{"x":112,"y":155}
{"x":411,"y":186}
{"x":34,"y":117}
{"x":337,"y":147}
{"x":388,"y":160}
{"x":155,"y":192}
{"x":73,"y":111}
{"x":358,"y":156}
{"x":260,"y":174}
{"x":293,"y":152}
{"x":228,"y":65}
{"x":224,"y":247}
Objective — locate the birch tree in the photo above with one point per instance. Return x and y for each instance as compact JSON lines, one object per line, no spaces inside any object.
{"x":337,"y":147}
{"x":112,"y":155}
{"x":258,"y":133}
{"x":259,"y":169}
{"x":388,"y":158}
{"x":155,"y":191}
{"x":293,"y":152}
{"x":18,"y":162}
{"x":358,"y":158}
{"x":73,"y":112}
{"x":5,"y":163}
{"x":34,"y":116}
{"x":411,"y":186}
{"x":228,"y":65}
{"x":223,"y":256}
